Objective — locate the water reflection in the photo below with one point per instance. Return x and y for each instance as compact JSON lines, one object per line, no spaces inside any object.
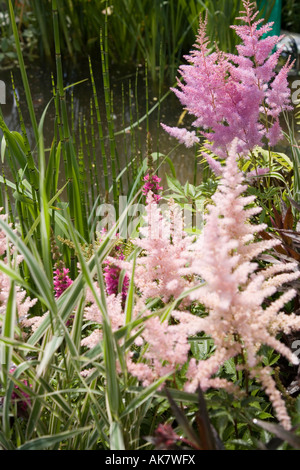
{"x":129,"y":105}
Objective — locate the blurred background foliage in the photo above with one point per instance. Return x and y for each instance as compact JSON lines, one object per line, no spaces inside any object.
{"x":157,"y":31}
{"x":291,"y":15}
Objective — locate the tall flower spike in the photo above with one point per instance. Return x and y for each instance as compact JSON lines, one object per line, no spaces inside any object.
{"x":61,"y":281}
{"x":152,"y":184}
{"x":235,"y":292}
{"x":112,"y":271}
{"x":228,"y":92}
{"x":165,"y":252}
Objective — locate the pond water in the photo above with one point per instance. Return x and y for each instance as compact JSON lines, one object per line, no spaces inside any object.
{"x":125,"y":110}
{"x":133,"y":84}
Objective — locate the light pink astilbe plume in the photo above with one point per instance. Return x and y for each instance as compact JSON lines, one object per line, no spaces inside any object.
{"x":227,"y":92}
{"x":93,"y":314}
{"x":258,"y":172}
{"x":23,"y":302}
{"x":165,"y":250}
{"x":158,"y":274}
{"x":184,"y":136}
{"x":167,"y":350}
{"x":166,"y":345}
{"x":235,"y":290}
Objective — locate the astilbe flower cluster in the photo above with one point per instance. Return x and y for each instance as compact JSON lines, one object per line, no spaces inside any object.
{"x":152,"y":184}
{"x":61,"y":281}
{"x":228,"y":92}
{"x":93,"y":314}
{"x":235,"y":291}
{"x":232,"y":288}
{"x":20,"y":397}
{"x":164,"y":247}
{"x":112,"y":271}
{"x":166,"y":351}
{"x":8,"y":253}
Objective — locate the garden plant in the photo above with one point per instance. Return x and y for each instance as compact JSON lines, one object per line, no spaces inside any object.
{"x":140,"y":316}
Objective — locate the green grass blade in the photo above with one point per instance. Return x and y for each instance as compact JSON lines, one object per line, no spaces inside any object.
{"x":45,"y":442}
{"x":23,"y":72}
{"x":143,"y":395}
{"x":116,"y":437}
{"x":35,"y":267}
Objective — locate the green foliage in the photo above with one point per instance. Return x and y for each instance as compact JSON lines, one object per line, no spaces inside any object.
{"x":28,"y":32}
{"x":156,"y":31}
{"x":108,"y":409}
{"x":290,"y":15}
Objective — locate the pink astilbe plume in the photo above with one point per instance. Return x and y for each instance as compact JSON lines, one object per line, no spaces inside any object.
{"x":111,"y":276}
{"x":93,"y":314}
{"x":152,"y":184}
{"x":112,"y":271}
{"x":23,"y":302}
{"x":258,"y":172}
{"x":184,"y":136}
{"x":165,"y":251}
{"x":228,"y":92}
{"x":167,"y":350}
{"x":235,"y":290}
{"x":61,"y":281}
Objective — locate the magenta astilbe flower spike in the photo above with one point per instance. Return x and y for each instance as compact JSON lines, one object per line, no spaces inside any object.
{"x":61,"y":281}
{"x":112,"y":271}
{"x":20,"y":397}
{"x":111,"y":276}
{"x":152,"y":184}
